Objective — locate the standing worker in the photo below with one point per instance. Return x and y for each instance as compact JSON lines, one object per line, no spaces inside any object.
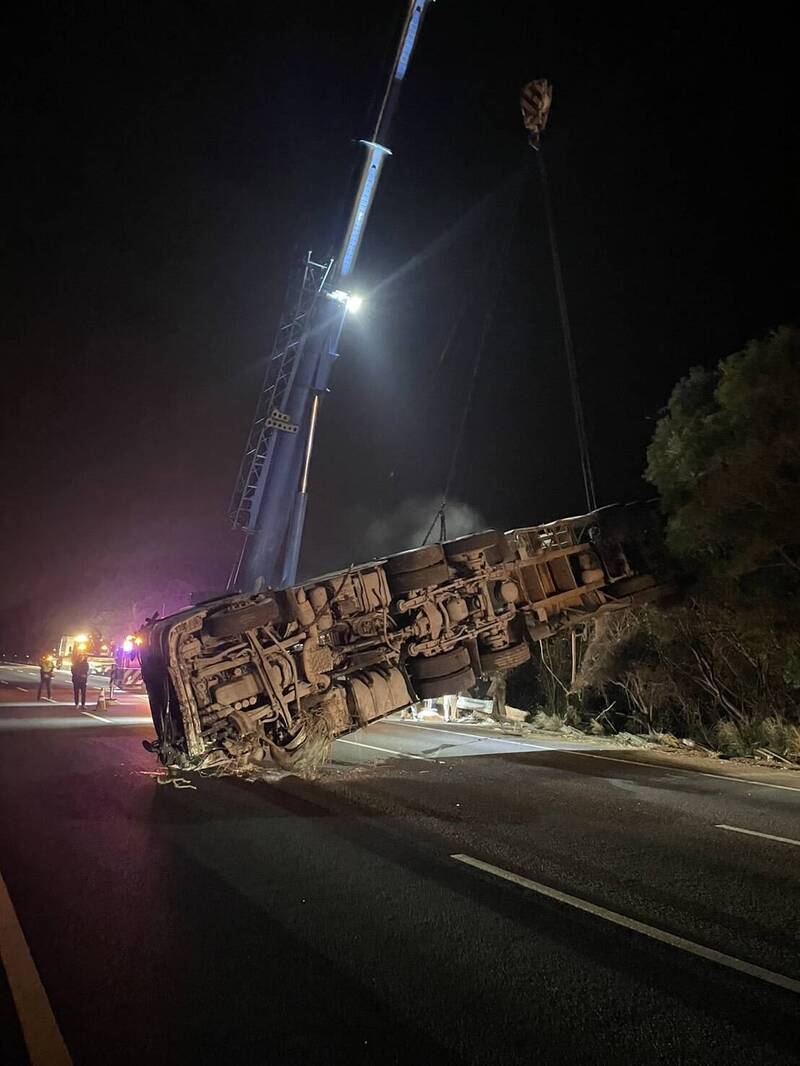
{"x":47,"y":665}
{"x":80,"y":673}
{"x":450,"y":707}
{"x":497,"y":690}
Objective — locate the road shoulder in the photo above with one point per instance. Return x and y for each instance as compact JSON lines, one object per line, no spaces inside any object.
{"x":606,"y":747}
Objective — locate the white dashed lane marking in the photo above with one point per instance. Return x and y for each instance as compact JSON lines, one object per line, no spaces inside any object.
{"x":764,"y":836}
{"x":97,"y":716}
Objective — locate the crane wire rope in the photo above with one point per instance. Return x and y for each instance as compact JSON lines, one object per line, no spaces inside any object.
{"x":427,"y":388}
{"x":488,"y":318}
{"x":569,"y":351}
{"x":478,"y":215}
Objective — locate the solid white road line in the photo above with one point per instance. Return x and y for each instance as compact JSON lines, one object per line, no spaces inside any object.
{"x":753,"y":833}
{"x":97,"y":716}
{"x":473,"y":736}
{"x":680,"y":770}
{"x":387,"y":751}
{"x":680,"y":942}
{"x":632,"y":762}
{"x":40,"y":1030}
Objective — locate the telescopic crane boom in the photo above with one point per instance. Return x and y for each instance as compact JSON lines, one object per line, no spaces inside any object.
{"x":271,"y":495}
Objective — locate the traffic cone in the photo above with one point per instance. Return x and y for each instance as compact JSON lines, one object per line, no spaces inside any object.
{"x":101,"y":701}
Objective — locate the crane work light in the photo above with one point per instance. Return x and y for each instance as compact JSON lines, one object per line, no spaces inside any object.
{"x":352,"y":301}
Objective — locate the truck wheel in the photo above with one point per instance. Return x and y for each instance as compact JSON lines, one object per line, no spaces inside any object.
{"x":449,"y":662}
{"x":471,"y":543}
{"x":232,"y":623}
{"x":494,"y":544}
{"x":399,"y":584}
{"x":450,"y":685}
{"x":505,"y":658}
{"x":415,"y":559}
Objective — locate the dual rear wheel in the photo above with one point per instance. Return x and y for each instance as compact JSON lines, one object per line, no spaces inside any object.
{"x":442,"y":675}
{"x":424,"y":567}
{"x":419,"y":568}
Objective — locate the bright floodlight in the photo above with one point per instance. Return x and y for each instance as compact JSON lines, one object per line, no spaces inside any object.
{"x":127,"y":645}
{"x":351,"y":300}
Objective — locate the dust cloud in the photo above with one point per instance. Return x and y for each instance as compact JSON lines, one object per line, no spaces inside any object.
{"x":406,"y":526}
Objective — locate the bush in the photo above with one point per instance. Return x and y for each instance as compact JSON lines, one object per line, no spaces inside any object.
{"x":748,"y":737}
{"x":691,"y":671}
{"x":548,"y":723}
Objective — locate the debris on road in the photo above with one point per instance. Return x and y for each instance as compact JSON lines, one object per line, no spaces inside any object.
{"x":177,"y":782}
{"x":514,"y":714}
{"x":166,"y":778}
{"x":768,"y":754}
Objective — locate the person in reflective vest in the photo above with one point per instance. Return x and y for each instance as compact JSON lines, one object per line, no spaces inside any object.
{"x":47,"y":665}
{"x":80,"y":673}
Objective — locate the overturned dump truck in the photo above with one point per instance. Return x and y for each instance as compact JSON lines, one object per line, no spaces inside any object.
{"x":241,"y":678}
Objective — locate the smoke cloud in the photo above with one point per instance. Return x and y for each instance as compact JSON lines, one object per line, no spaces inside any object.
{"x":406,"y":526}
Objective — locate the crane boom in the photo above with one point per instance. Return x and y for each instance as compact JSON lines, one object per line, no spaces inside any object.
{"x":271,"y":494}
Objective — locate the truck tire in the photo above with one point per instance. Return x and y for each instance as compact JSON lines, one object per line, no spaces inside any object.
{"x":449,"y":662}
{"x":505,"y":658}
{"x":494,"y":544}
{"x":471,"y":543}
{"x":399,"y":584}
{"x":415,"y":559}
{"x":232,"y":623}
{"x":450,"y":685}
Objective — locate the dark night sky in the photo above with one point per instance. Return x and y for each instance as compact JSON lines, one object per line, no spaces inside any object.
{"x":166,"y":160}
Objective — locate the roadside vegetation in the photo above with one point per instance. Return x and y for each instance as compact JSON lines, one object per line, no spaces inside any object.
{"x":721,"y":666}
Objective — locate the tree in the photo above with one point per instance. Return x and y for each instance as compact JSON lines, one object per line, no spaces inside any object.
{"x":725,"y":459}
{"x":724,"y":665}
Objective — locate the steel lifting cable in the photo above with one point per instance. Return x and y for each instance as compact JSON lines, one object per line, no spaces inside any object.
{"x":536,"y":99}
{"x":488,"y":318}
{"x":569,"y":351}
{"x":479,"y":213}
{"x":427,"y":388}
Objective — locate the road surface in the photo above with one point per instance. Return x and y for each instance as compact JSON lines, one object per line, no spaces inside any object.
{"x":437,"y":896}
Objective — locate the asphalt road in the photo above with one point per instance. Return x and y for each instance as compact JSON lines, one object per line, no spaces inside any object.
{"x":285,"y":921}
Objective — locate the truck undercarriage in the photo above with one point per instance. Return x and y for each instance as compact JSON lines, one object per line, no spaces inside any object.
{"x":246,"y":677}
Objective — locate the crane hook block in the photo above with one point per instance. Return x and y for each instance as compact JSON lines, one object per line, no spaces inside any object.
{"x":535,"y":100}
